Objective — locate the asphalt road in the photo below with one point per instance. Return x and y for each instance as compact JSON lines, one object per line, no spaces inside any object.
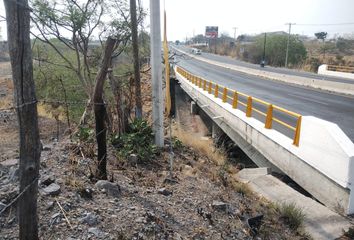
{"x":229,"y":60}
{"x":307,"y":102}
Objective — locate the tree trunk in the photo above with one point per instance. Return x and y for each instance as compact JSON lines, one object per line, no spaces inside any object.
{"x":122,"y":119}
{"x":18,"y":27}
{"x":100,"y":111}
{"x":134,"y":28}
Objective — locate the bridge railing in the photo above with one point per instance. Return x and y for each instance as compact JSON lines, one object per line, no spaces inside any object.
{"x":340,"y":68}
{"x":236,"y":98}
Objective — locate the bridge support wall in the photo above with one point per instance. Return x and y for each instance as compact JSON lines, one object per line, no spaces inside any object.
{"x":323,"y":164}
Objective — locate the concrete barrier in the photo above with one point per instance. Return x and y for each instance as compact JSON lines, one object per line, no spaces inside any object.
{"x":323,"y":70}
{"x":323,"y":164}
{"x":331,"y":86}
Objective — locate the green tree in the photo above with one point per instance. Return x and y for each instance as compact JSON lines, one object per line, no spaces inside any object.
{"x":276,"y":48}
{"x":322,"y":36}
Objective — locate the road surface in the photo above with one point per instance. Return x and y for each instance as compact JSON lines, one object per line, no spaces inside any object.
{"x":229,"y":60}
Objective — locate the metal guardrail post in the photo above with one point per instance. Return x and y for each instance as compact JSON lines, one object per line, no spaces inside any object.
{"x":269,"y":118}
{"x":235,"y":100}
{"x":297,"y":132}
{"x":249,"y":107}
{"x":224,"y":95}
{"x":216,"y":91}
{"x":202,"y":83}
{"x":210,"y":87}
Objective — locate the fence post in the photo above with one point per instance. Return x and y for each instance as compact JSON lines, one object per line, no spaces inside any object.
{"x":235,"y":100}
{"x":204,"y":84}
{"x":216,"y":91}
{"x":200,"y":82}
{"x":297,"y":132}
{"x":224,"y":96}
{"x":269,"y":118}
{"x":209,"y":88}
{"x":249,"y":107}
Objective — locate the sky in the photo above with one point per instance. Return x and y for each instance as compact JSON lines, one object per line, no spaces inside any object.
{"x":186,"y":18}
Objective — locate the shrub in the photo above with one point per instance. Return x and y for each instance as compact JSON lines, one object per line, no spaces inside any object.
{"x":138,"y":140}
{"x":85,"y":134}
{"x":291,"y":215}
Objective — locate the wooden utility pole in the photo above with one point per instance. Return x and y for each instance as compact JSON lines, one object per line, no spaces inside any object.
{"x":100,"y":110}
{"x":18,"y":32}
{"x":287,"y":45}
{"x":134,"y":28}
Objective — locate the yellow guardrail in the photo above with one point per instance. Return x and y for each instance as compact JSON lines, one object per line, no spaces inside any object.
{"x":213,"y":88}
{"x":340,"y":68}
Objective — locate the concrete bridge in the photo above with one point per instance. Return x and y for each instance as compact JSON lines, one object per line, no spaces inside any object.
{"x":315,"y":153}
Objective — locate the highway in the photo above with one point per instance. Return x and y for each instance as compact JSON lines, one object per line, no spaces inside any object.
{"x":307,"y":102}
{"x":229,"y":60}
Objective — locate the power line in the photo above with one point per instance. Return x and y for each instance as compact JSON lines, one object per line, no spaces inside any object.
{"x":325,"y":24}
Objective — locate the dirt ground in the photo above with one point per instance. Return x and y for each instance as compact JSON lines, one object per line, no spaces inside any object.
{"x":140,"y":202}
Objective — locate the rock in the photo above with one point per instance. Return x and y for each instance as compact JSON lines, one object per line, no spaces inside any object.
{"x":52,"y":190}
{"x":254,"y":223}
{"x":9,"y":162}
{"x":13,"y":174}
{"x":86,"y":193}
{"x":90,"y":219}
{"x":49,"y":205}
{"x":140,"y":220}
{"x":177,"y":236}
{"x":97,"y":232}
{"x":111,"y":188}
{"x":46,"y":180}
{"x":67,"y":206}
{"x":46,"y":148}
{"x":56,"y":218}
{"x":164,"y":192}
{"x":220,"y":206}
{"x":169,"y":180}
{"x":133,"y":159}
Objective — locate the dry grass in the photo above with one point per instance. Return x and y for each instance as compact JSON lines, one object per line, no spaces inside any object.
{"x":200,"y":145}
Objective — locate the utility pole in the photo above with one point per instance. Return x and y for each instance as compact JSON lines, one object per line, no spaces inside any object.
{"x":264,"y":48}
{"x":235,"y":28}
{"x":134,"y":28}
{"x":156,"y":72}
{"x":287,"y":45}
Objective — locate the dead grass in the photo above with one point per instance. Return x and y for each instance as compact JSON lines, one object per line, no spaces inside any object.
{"x":291,"y":215}
{"x":200,"y":145}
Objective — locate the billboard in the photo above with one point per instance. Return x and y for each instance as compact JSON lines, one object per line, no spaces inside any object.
{"x":211,"y":31}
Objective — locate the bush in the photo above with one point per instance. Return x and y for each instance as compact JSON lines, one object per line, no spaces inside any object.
{"x":85,"y":134}
{"x":138,"y":140}
{"x":275,"y":50}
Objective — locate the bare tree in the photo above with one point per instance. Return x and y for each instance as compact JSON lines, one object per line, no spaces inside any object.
{"x":134,"y":28}
{"x":74,"y":18}
{"x":100,"y":110}
{"x":18,"y":25}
